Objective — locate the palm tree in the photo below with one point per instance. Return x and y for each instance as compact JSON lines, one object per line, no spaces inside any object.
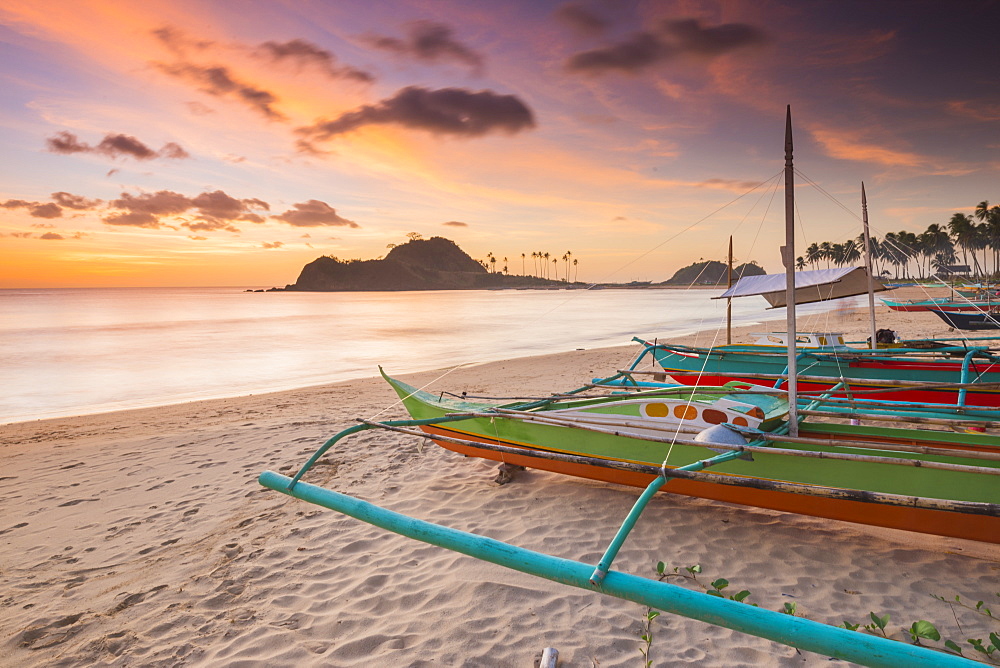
{"x":835,"y":254}
{"x":812,"y":254}
{"x":990,"y":218}
{"x":576,"y":271}
{"x":890,"y":251}
{"x":875,"y":250}
{"x":522,"y":264}
{"x":852,"y":251}
{"x":546,"y":256}
{"x":965,"y":233}
{"x":800,"y":263}
{"x":936,"y":245}
{"x":555,"y":269}
{"x":909,"y":245}
{"x":826,"y":252}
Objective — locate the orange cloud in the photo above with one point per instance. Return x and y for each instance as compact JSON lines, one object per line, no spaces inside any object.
{"x":844,"y":147}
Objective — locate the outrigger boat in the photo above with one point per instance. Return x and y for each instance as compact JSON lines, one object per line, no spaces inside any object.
{"x":944,"y":303}
{"x":959,"y":375}
{"x":969,"y":320}
{"x":938,"y":482}
{"x":661,"y":436}
{"x":670,"y":435}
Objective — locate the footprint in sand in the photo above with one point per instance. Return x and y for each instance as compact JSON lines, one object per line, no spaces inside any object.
{"x":75,"y":501}
{"x":16,"y":526}
{"x":132,"y":599}
{"x":47,"y":635}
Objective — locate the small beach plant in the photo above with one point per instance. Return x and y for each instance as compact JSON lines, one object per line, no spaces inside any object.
{"x":920,"y":632}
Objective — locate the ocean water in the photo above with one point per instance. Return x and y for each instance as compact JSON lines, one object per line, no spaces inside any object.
{"x":69,"y":352}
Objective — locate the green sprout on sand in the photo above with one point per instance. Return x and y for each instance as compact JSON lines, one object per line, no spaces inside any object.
{"x":920,"y":632}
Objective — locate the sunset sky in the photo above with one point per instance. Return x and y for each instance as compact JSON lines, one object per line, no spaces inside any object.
{"x":187,"y":142}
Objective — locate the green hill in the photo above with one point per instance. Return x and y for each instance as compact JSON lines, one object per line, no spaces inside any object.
{"x":712,"y":272}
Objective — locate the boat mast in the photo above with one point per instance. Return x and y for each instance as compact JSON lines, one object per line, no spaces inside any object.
{"x":788,"y":257}
{"x":729,"y":301}
{"x":868,"y":266}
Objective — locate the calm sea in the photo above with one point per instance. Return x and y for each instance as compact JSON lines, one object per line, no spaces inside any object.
{"x":74,"y":351}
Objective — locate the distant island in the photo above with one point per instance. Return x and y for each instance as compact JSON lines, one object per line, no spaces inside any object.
{"x":439,"y":264}
{"x":419,"y":264}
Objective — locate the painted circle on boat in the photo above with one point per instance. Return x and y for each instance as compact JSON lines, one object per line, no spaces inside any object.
{"x":685,"y":412}
{"x":740,"y":421}
{"x":657,"y":410}
{"x":712,"y":416}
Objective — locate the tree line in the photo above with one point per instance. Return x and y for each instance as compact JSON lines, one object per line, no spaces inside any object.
{"x":923,"y":253}
{"x":539,"y":265}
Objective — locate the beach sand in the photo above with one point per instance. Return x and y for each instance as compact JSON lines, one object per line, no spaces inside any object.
{"x":142,"y":538}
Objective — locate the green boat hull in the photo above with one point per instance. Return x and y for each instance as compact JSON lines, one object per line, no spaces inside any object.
{"x":529,"y":437}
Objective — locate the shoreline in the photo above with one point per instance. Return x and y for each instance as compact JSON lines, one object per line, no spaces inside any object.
{"x":142,"y":537}
{"x":844,"y":317}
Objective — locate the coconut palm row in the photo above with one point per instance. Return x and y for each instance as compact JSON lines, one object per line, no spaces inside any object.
{"x":921,"y":254}
{"x":540,"y":265}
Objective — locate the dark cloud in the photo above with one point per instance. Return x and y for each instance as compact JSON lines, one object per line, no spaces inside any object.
{"x":313,"y":213}
{"x":177,"y":41}
{"x":35,"y":209}
{"x":455,"y":223}
{"x":218,"y":205}
{"x":581,"y":19}
{"x":219,"y":82}
{"x":134,"y":219}
{"x":297,"y":51}
{"x":66,"y":142}
{"x":49,"y":210}
{"x":451,"y":111}
{"x":211,"y":226}
{"x":670,"y":40}
{"x":113,"y":145}
{"x":160,"y":203}
{"x":431,"y":43}
{"x":691,"y":37}
{"x":51,"y":236}
{"x":301,"y":52}
{"x":630,"y":55}
{"x":173,"y":151}
{"x":213,"y":210}
{"x":17,"y":204}
{"x":78,"y":202}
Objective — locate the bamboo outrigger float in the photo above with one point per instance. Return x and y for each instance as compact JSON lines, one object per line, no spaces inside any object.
{"x":657,"y":436}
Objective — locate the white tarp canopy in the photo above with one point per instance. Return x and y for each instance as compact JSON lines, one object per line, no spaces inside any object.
{"x":810,"y":286}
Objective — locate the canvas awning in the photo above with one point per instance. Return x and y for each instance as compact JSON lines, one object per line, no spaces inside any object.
{"x":810,"y":286}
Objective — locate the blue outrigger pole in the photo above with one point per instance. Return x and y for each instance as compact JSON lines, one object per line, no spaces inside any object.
{"x":805,"y":634}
